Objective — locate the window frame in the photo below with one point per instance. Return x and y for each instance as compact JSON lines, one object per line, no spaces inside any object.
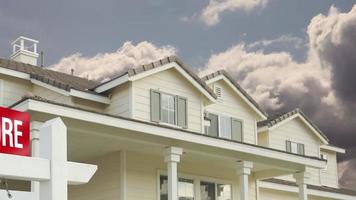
{"x":219,"y":125}
{"x":196,"y":182}
{"x":298,"y":144}
{"x":327,"y":161}
{"x":176,"y":97}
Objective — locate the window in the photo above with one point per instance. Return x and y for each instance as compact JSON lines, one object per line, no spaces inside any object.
{"x":296,"y":148}
{"x":224,"y":127}
{"x":213,"y":191}
{"x":324,"y":157}
{"x":167,"y":108}
{"x":185,"y":188}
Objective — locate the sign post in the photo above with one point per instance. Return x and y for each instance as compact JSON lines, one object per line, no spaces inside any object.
{"x":51,"y":169}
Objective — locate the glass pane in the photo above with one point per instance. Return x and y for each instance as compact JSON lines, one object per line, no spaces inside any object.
{"x":168,"y":109}
{"x":294,"y":147}
{"x":163,"y":185}
{"x":207,"y":191}
{"x":236,"y":131}
{"x":214,"y":127}
{"x":225,"y":127}
{"x":224,"y":192}
{"x":185,"y":189}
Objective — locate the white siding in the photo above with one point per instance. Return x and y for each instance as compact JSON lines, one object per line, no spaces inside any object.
{"x":263,"y":139}
{"x":13,"y":89}
{"x":329,"y":177}
{"x":268,"y":194}
{"x":105,"y":183}
{"x":296,"y":131}
{"x":232,"y":105}
{"x":172,"y":82}
{"x":120,"y":101}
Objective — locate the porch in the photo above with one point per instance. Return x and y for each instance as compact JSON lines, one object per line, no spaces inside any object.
{"x":138,"y":160}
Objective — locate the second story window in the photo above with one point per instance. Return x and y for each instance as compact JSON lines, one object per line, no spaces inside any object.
{"x":296,"y":148}
{"x":168,"y":108}
{"x":324,"y":157}
{"x":224,"y":127}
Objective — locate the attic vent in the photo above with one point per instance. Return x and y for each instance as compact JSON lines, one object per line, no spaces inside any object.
{"x":218,"y":91}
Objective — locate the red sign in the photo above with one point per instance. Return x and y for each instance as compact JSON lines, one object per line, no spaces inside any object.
{"x":14,"y":132}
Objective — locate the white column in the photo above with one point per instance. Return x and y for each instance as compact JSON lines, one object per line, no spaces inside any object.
{"x":35,"y":152}
{"x":123,"y":176}
{"x":172,"y":158}
{"x":302,"y":180}
{"x":53,"y":146}
{"x":244,"y":170}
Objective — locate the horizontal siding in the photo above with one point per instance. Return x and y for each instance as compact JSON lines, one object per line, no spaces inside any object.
{"x":172,"y":82}
{"x":120,"y":104}
{"x":105,"y":183}
{"x":234,"y":106}
{"x":268,"y":194}
{"x":13,"y":89}
{"x":329,"y":177}
{"x":296,"y":131}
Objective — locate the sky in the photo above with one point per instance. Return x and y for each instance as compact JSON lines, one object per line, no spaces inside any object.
{"x":285,"y":53}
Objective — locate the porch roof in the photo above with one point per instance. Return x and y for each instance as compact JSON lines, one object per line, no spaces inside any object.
{"x":246,"y":150}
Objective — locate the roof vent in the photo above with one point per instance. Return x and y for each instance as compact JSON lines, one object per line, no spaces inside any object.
{"x":218,"y":91}
{"x":25,"y":50}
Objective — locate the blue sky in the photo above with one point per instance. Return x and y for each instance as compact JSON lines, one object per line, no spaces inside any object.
{"x":66,"y":27}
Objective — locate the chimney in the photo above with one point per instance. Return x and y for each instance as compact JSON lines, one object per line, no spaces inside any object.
{"x":25,"y":50}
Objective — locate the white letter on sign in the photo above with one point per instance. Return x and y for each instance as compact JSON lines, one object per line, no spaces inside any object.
{"x":6,"y":131}
{"x":17,"y":133}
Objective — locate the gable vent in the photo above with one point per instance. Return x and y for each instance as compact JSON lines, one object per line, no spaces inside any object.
{"x":218,"y":91}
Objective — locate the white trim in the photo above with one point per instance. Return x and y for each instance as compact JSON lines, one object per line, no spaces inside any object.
{"x":89,"y":96}
{"x":126,"y":77}
{"x":244,"y":98}
{"x":303,"y":120}
{"x":294,"y":162}
{"x":131,"y":100}
{"x":50,"y":87}
{"x":123,"y":175}
{"x":333,"y":148}
{"x":111,"y":84}
{"x":294,"y":189}
{"x":24,"y":38}
{"x":14,"y":73}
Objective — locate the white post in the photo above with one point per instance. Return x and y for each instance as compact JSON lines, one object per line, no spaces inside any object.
{"x":35,"y":152}
{"x":53,"y":146}
{"x":244,"y":170}
{"x":301,"y":180}
{"x":123,"y":178}
{"x":172,"y":158}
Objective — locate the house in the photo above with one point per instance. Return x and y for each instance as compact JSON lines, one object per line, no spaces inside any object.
{"x":158,"y":131}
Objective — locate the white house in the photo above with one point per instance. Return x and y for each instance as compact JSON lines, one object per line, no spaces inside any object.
{"x":159,"y":131}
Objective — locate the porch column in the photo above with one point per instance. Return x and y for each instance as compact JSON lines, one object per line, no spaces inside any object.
{"x":244,"y":170}
{"x":35,"y":151}
{"x":301,"y":180}
{"x":172,"y":158}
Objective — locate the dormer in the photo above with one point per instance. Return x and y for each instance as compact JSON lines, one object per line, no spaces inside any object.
{"x":25,"y":50}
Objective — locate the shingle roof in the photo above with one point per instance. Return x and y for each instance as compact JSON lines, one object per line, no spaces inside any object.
{"x":273,"y":120}
{"x":54,"y":78}
{"x":147,"y":67}
{"x":314,"y":187}
{"x":238,"y":87}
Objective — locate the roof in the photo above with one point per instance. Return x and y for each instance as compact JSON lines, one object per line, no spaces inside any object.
{"x":276,"y":119}
{"x":154,"y":65}
{"x":42,"y":99}
{"x":314,"y":187}
{"x":54,"y":78}
{"x":237,"y":86}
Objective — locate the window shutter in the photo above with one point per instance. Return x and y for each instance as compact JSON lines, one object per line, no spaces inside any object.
{"x":288,"y":146}
{"x":182,"y":112}
{"x":214,"y":125}
{"x":236,"y":129}
{"x":155,"y":106}
{"x":301,"y":149}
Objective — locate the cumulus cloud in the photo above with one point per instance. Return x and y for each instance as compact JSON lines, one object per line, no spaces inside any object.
{"x":105,"y":65}
{"x":283,"y":39}
{"x":323,"y":85}
{"x":211,"y":14}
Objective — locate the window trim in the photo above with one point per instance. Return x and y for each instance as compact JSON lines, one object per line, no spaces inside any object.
{"x":291,"y":149}
{"x":231,"y":117}
{"x":327,"y":161}
{"x":175,"y":125}
{"x":196,"y":182}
